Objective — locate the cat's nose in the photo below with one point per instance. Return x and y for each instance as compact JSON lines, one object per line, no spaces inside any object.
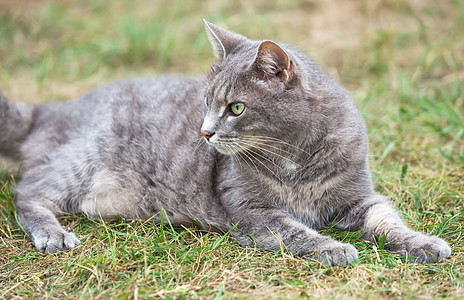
{"x":207,"y":134}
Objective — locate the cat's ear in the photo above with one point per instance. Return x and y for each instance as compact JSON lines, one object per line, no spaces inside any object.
{"x":273,"y":63}
{"x":223,"y":41}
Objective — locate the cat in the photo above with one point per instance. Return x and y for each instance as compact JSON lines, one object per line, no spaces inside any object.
{"x":266,"y":147}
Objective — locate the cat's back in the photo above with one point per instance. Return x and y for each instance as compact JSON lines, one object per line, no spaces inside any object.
{"x":113,"y":111}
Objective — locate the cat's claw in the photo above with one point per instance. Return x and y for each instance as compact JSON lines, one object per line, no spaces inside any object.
{"x":51,"y":241}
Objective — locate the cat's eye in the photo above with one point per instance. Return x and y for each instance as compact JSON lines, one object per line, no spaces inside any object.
{"x":237,"y":108}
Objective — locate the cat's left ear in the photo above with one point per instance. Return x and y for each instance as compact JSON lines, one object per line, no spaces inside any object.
{"x":273,"y":63}
{"x":223,"y":41}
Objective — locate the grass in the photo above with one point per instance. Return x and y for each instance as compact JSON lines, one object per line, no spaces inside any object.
{"x":402,"y":61}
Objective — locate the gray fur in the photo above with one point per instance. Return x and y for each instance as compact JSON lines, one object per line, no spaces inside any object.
{"x":294,"y":161}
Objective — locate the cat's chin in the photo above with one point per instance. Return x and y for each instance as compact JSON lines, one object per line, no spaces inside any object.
{"x":225,"y":150}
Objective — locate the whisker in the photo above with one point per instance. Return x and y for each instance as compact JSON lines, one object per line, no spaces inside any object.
{"x":272,"y":139}
{"x":264,"y":165}
{"x":244,"y":152}
{"x":248,"y":139}
{"x":272,"y":153}
{"x":199,"y":144}
{"x":235,"y":155}
{"x":251,"y":152}
{"x":251,"y":144}
{"x":248,"y":144}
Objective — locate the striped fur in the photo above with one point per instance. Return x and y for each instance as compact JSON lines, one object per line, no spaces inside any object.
{"x":294,"y":161}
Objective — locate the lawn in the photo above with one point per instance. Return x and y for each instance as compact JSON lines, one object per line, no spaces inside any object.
{"x":403,"y":62}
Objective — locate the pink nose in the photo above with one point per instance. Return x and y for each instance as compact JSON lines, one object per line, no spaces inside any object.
{"x":207,"y":134}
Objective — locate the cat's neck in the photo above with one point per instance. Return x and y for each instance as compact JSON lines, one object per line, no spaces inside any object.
{"x":273,"y":160}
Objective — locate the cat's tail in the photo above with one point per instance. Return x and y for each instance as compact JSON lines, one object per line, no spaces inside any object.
{"x":15,"y":124}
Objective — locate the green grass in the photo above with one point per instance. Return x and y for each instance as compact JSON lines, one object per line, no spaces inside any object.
{"x":402,"y":61}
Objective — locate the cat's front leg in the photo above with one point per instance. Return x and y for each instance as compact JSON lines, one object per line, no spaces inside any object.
{"x":273,"y":229}
{"x":376,"y":218}
{"x":42,"y":226}
{"x":37,"y":203}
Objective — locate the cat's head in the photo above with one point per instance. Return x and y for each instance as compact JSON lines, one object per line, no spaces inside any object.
{"x":255,"y":94}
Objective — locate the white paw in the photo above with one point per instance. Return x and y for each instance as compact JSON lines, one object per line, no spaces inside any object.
{"x":53,"y":240}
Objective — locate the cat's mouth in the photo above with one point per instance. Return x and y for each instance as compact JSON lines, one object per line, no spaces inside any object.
{"x":241,"y":145}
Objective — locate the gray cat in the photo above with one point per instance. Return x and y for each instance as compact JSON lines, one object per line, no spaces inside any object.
{"x":282,"y":152}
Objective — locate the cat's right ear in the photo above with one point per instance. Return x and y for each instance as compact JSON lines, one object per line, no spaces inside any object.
{"x":273,"y":63}
{"x":223,"y":41}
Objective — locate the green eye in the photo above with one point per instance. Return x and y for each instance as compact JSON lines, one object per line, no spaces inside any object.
{"x":237,"y":108}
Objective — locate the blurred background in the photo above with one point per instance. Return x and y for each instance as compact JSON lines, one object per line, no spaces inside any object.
{"x":65,"y":43}
{"x":402,"y":60}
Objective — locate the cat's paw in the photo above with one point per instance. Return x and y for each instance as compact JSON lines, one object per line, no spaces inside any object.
{"x":53,"y":240}
{"x":424,"y":249}
{"x":336,"y":254}
{"x":428,"y":249}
